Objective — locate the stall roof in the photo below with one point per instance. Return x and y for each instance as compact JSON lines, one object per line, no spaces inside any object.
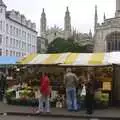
{"x":8,"y":60}
{"x":44,"y":59}
{"x":74,"y":59}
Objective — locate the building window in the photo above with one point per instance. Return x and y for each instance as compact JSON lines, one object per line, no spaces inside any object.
{"x":113,"y":42}
{"x":11,"y":30}
{"x":13,"y":53}
{"x":25,"y":36}
{"x":7,"y":31}
{"x":7,"y":53}
{"x":30,"y":38}
{"x":17,"y":32}
{"x":0,"y":39}
{"x":0,"y":52}
{"x":7,"y":41}
{"x":14,"y":43}
{"x":17,"y":44}
{"x":0,"y":25}
{"x":11,"y":42}
{"x":1,"y":10}
{"x":10,"y":53}
{"x":22,"y":45}
{"x":4,"y":26}
{"x":14,"y":31}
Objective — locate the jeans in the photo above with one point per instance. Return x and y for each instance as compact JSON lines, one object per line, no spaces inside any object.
{"x":71,"y":99}
{"x":44,"y":104}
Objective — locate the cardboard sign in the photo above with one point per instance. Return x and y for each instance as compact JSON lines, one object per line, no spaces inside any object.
{"x":107,"y":86}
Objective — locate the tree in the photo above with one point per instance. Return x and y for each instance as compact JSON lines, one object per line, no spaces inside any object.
{"x":60,"y":45}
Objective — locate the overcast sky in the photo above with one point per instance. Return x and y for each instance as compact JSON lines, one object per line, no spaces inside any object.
{"x":81,"y":11}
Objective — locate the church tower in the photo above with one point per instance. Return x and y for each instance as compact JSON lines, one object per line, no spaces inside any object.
{"x":117,"y":14}
{"x":67,"y":24}
{"x":95,"y":19}
{"x":43,"y":24}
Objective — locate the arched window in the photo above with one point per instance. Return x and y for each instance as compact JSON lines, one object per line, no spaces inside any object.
{"x":113,"y":41}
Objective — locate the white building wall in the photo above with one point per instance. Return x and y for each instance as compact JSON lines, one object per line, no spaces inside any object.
{"x":19,"y":40}
{"x":2,"y":29}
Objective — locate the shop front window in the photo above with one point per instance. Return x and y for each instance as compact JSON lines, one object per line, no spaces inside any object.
{"x":0,"y":39}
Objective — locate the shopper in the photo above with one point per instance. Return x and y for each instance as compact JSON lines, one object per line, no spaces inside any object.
{"x":45,"y":90}
{"x":3,"y":85}
{"x":90,"y":94}
{"x":71,"y":81}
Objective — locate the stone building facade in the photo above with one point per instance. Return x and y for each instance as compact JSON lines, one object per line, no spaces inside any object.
{"x":107,"y":34}
{"x":107,"y":39}
{"x":65,"y":33}
{"x":18,"y":36}
{"x":42,"y":44}
{"x":55,"y":32}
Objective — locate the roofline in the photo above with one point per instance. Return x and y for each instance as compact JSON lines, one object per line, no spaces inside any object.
{"x":42,"y":37}
{"x":21,"y":24}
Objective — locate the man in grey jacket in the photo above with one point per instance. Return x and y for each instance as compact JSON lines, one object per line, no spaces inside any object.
{"x":71,"y":82}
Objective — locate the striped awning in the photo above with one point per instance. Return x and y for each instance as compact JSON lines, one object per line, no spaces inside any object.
{"x":75,"y":59}
{"x":48,"y":59}
{"x":114,"y":58}
{"x":87,"y":59}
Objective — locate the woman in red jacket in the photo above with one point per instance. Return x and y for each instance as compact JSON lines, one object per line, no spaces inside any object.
{"x":44,"y":104}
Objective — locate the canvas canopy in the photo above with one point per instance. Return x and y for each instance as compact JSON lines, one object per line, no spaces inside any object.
{"x":8,"y":60}
{"x":48,"y":59}
{"x":75,"y":59}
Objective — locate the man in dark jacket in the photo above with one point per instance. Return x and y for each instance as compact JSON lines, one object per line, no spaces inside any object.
{"x":2,"y":85}
{"x":90,"y":90}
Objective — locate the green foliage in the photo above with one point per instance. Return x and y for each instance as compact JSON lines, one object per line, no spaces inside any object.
{"x":60,"y":45}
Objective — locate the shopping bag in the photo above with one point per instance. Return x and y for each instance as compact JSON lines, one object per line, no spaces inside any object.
{"x":83,"y":92}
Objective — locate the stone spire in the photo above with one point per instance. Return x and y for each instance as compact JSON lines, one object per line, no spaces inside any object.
{"x":117,"y":14}
{"x":43,"y":24}
{"x":95,"y":19}
{"x":2,"y":3}
{"x":104,"y":17}
{"x":90,"y":34}
{"x":67,"y":24}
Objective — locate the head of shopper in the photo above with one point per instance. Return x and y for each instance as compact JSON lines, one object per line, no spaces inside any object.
{"x":68,"y":70}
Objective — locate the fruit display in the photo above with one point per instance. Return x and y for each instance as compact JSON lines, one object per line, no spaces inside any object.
{"x":102,"y":99}
{"x":20,"y":92}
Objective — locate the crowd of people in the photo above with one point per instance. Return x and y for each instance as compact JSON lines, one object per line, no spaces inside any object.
{"x":86,"y":85}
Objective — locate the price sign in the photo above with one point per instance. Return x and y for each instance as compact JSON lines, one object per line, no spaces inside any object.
{"x":107,"y":86}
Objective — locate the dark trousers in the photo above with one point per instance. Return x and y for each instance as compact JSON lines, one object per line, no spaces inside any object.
{"x":1,"y":95}
{"x":89,"y":103}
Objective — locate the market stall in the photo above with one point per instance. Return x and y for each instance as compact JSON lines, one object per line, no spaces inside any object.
{"x":55,"y":65}
{"x":6,"y":65}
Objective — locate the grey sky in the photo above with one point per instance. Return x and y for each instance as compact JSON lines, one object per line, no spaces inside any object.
{"x":82,"y":11}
